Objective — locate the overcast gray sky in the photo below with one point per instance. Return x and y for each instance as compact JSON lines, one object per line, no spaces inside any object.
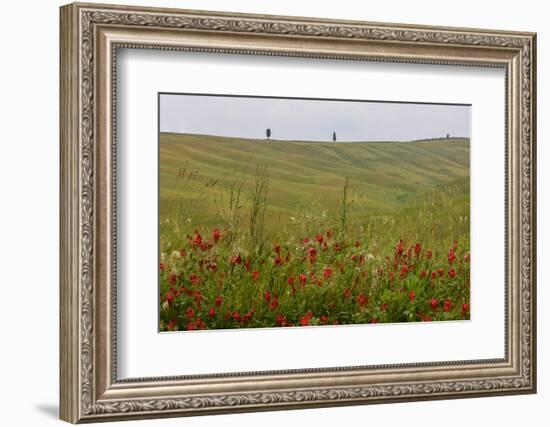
{"x":315,"y":120}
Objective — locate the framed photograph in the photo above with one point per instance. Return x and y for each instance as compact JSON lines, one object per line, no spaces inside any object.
{"x":266,"y":212}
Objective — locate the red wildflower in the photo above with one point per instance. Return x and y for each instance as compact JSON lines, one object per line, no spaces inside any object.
{"x":452,"y":273}
{"x":429,"y":254}
{"x":425,"y":318}
{"x":319,"y":238}
{"x":211,"y":312}
{"x":441,"y":272}
{"x":467,"y":258}
{"x":255,"y":275}
{"x":399,"y":247}
{"x":219,"y":300}
{"x":277,"y":248}
{"x":434,"y":275}
{"x":303,"y":279}
{"x":236,"y":259}
{"x":278,"y":260}
{"x":216,"y":234}
{"x":305,"y":240}
{"x":447,"y":305}
{"x":451,"y":257}
{"x":194,"y":279}
{"x":417,"y":249}
{"x":304,"y":320}
{"x":465,"y":308}
{"x":169,"y":297}
{"x":423,"y":274}
{"x":274,"y":303}
{"x":247,"y":264}
{"x":357,"y":243}
{"x":171,"y":324}
{"x":336,"y":247}
{"x":312,"y":252}
{"x":191,"y":326}
{"x":267,"y":296}
{"x":197,"y":239}
{"x":324,"y":319}
{"x":173,"y":278}
{"x":190,"y":313}
{"x":327,"y":272}
{"x":383,"y":307}
{"x":433,"y":303}
{"x":290,"y":280}
{"x":412,"y":295}
{"x":280,"y":319}
{"x":362,"y":300}
{"x":237,"y":316}
{"x":347,"y":293}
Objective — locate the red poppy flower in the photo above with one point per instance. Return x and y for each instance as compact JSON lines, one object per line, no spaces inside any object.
{"x":423,"y":274}
{"x":216,"y":234}
{"x":194,"y":279}
{"x":267,"y":296}
{"x":190,"y":313}
{"x":211,"y":312}
{"x":191,"y":326}
{"x":290,"y":280}
{"x":237,"y":316}
{"x":434,"y":275}
{"x":447,"y":305}
{"x":219,"y":300}
{"x":169,"y":297}
{"x":362,"y":300}
{"x":452,"y":273}
{"x":412,"y":295}
{"x":319,"y":238}
{"x":465,"y":308}
{"x":278,"y":260}
{"x":327,"y":272}
{"x":255,"y":275}
{"x":336,"y":247}
{"x":417,"y":249}
{"x":312,"y":252}
{"x":441,"y":272}
{"x":324,"y":319}
{"x":303,"y":279}
{"x":433,"y":303}
{"x":429,"y":254}
{"x":305,"y":240}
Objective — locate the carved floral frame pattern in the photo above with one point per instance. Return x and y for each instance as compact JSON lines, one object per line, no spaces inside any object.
{"x":78,"y":399}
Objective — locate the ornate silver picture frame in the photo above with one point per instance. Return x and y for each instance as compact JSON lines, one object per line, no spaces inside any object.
{"x":91,"y":36}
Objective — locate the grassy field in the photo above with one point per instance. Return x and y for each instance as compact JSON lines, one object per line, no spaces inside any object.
{"x":361,"y":207}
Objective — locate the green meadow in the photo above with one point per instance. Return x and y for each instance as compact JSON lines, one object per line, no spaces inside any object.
{"x":258,"y":232}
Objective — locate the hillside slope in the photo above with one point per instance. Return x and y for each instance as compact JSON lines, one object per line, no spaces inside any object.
{"x":310,"y":175}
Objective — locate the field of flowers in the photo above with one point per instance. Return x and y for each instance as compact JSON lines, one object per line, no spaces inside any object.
{"x":241,"y":263}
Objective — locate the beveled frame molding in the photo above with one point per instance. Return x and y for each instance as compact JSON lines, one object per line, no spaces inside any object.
{"x":90,"y":36}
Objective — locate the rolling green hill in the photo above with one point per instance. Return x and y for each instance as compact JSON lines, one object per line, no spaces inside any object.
{"x":196,"y":170}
